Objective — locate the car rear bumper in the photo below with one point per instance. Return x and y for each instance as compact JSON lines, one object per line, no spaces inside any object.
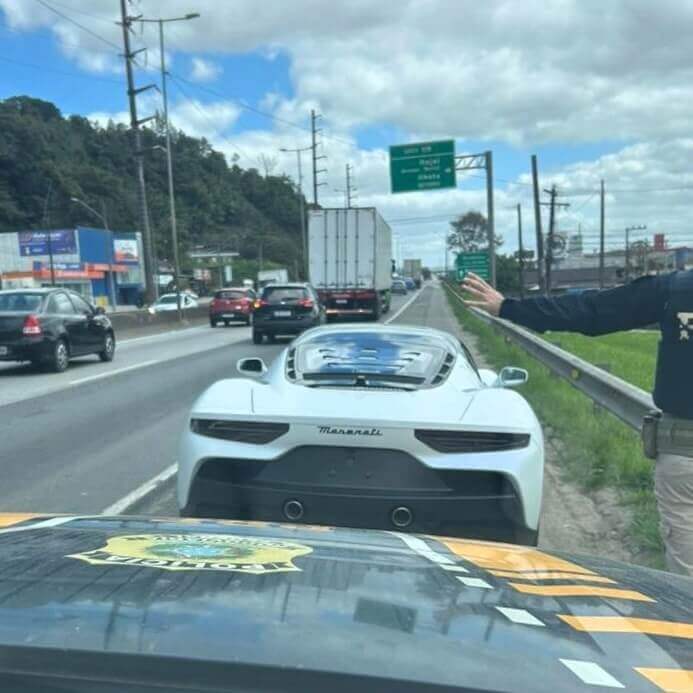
{"x":359,"y":487}
{"x":26,"y":349}
{"x":229,"y":315}
{"x":284,"y":326}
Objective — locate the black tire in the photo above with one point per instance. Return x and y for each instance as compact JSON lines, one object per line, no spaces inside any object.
{"x":271,"y":338}
{"x":226,"y":323}
{"x":109,"y":346}
{"x":212,"y":323}
{"x":257,"y":337}
{"x":60,"y":357}
{"x":377,"y":310}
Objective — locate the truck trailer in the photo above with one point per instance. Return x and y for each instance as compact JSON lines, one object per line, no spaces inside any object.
{"x":350,"y":252}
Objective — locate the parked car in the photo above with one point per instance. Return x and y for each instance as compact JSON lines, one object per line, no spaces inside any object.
{"x":410,"y":283}
{"x":286,"y":309}
{"x":392,"y":428}
{"x":398,"y":287}
{"x":231,"y":305}
{"x":50,"y":326}
{"x":169,"y":302}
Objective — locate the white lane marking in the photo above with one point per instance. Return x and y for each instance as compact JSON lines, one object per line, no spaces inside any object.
{"x":117,"y":371}
{"x":455,"y":568}
{"x":475,"y":582}
{"x":520,"y":616}
{"x":403,"y":308}
{"x":52,"y":522}
{"x":120,"y":506}
{"x":591,"y":673}
{"x":422,"y":548}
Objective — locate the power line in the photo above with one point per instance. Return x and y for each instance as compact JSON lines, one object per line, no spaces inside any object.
{"x":43,"y":68}
{"x":77,"y":24}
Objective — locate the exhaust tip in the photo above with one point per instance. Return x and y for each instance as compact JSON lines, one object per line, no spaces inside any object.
{"x":401,"y":517}
{"x":293,"y":510}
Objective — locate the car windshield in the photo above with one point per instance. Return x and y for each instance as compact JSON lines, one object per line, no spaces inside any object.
{"x":230,"y":295}
{"x":372,"y":358}
{"x":20,"y":302}
{"x":283,"y":294}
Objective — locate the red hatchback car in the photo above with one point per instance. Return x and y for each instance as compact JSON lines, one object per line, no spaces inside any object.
{"x":231,"y":305}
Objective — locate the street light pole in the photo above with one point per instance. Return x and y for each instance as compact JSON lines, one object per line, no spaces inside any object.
{"x":109,"y":243}
{"x":169,"y":162}
{"x":301,"y":203}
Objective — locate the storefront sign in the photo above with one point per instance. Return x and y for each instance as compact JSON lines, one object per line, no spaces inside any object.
{"x":126,"y":250}
{"x":61,"y":242}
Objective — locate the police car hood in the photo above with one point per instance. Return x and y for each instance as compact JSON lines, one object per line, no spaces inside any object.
{"x":306,"y":608}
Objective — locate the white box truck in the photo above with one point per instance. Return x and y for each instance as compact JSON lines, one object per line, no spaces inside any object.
{"x":272,"y":276}
{"x":350,"y":261}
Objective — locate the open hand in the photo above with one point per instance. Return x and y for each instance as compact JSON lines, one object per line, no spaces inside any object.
{"x":487,"y":298}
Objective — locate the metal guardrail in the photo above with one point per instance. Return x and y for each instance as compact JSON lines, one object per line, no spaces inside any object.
{"x":137,"y":320}
{"x":627,"y":402}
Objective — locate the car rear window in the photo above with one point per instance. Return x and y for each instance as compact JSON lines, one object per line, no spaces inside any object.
{"x":289,"y":294}
{"x":20,"y":302}
{"x":230,"y":295}
{"x":170,"y":299}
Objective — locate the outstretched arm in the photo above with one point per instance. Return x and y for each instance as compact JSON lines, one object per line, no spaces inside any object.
{"x":633,"y":305}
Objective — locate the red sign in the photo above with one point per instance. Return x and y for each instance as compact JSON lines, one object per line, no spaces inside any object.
{"x":659,"y":241}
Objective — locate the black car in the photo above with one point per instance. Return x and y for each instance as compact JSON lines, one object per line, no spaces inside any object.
{"x":50,"y":326}
{"x":286,"y":309}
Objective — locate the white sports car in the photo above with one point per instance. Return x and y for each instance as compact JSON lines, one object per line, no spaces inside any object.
{"x":368,"y":426}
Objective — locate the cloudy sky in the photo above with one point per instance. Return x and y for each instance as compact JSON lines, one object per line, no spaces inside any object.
{"x":596,"y":89}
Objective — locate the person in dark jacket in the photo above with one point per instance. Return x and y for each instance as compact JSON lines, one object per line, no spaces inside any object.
{"x":668,"y":436}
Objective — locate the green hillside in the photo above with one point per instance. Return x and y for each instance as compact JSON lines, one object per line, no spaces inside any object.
{"x":218,"y":205}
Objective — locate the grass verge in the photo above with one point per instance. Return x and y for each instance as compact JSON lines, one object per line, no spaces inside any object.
{"x":597,"y":449}
{"x":629,"y":355}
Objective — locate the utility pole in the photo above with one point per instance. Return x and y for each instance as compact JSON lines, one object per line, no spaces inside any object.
{"x":550,"y":239}
{"x":537,"y":225}
{"x":314,"y":130}
{"x":628,"y":230}
{"x":520,"y":251}
{"x":169,"y":161}
{"x":490,"y":218}
{"x":301,"y":203}
{"x":46,"y":224}
{"x":601,"y":234}
{"x":151,"y":289}
{"x":348,"y":186}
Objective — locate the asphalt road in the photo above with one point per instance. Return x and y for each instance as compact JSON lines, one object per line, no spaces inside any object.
{"x":79,"y":441}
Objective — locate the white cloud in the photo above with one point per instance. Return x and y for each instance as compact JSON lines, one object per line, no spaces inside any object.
{"x":204,"y":70}
{"x":562,"y":72}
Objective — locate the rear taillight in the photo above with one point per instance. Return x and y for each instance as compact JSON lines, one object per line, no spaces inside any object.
{"x":306,"y":303}
{"x":260,"y":302}
{"x":32,"y":326}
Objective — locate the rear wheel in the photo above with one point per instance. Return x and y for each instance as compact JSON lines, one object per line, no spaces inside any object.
{"x":212,"y":323}
{"x":377,"y":309}
{"x":271,"y":338}
{"x":60,"y":357}
{"x":226,"y":323}
{"x":257,"y":337}
{"x":108,"y":351}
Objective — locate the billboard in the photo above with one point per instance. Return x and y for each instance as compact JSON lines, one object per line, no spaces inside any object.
{"x":60,"y":242}
{"x":126,"y":250}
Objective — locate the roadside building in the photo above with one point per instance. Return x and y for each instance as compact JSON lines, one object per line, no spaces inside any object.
{"x":104,"y":266}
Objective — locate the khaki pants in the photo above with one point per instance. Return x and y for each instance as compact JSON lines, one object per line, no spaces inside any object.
{"x":674,"y":492}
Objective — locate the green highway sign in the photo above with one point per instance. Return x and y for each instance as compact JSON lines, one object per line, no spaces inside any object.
{"x":477,"y":262}
{"x":422,"y":166}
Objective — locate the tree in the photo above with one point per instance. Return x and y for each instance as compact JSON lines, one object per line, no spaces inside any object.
{"x":470,"y":233}
{"x":507,"y":274}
